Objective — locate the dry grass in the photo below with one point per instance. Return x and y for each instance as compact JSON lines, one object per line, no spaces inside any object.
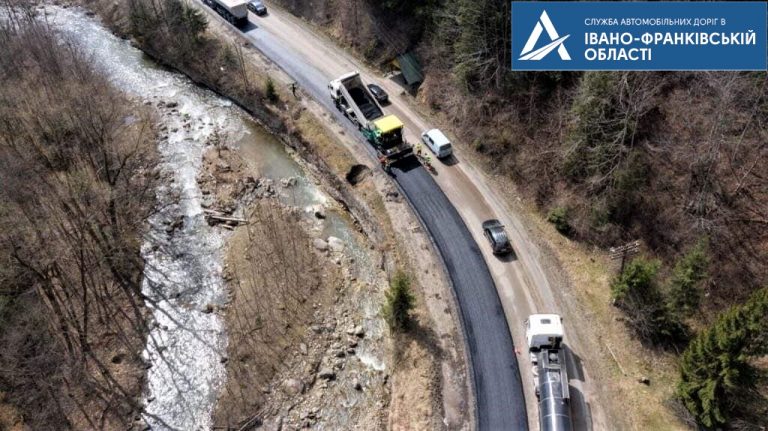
{"x":622,"y":356}
{"x":276,"y":283}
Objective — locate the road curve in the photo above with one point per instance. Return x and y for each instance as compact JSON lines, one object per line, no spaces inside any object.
{"x":500,"y":403}
{"x":498,"y":390}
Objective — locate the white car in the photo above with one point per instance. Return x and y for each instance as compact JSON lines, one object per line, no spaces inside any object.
{"x":437,"y":142}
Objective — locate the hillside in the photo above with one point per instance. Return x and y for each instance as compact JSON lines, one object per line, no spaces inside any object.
{"x":676,"y":160}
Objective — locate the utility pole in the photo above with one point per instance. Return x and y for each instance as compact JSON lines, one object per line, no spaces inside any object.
{"x":624,"y":252}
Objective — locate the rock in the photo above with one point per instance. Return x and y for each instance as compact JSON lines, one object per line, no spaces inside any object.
{"x":223,"y":359}
{"x":209,"y":308}
{"x":320,"y":244}
{"x":359,"y":331}
{"x":274,"y":425}
{"x":644,"y":380}
{"x":356,"y":385}
{"x":319,"y":211}
{"x":293,"y":386}
{"x":171,"y":104}
{"x":335,"y":244}
{"x":303,"y":349}
{"x":316,"y":329}
{"x":288,"y":182}
{"x":326,"y":374}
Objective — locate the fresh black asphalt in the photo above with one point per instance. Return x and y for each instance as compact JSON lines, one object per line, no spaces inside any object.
{"x":500,"y":404}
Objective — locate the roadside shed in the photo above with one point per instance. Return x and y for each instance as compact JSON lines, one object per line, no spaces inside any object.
{"x":410,"y":68}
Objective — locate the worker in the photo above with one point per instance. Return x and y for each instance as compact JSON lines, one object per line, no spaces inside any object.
{"x":293,"y":88}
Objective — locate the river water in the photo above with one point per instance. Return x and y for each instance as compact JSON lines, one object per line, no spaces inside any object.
{"x":183,"y":276}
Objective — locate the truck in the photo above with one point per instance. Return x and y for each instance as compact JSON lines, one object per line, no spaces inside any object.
{"x":234,"y":11}
{"x":384,"y":132}
{"x":544,"y":335}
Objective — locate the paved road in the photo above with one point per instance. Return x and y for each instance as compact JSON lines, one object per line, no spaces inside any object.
{"x":498,"y":390}
{"x":500,"y":404}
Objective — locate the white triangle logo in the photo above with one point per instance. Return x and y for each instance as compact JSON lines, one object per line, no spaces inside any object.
{"x":544,"y":23}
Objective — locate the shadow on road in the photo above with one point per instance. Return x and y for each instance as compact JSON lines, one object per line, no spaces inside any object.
{"x":248,"y":27}
{"x":407,"y":164}
{"x":508,"y":257}
{"x":581,"y":411}
{"x":575,"y":367}
{"x":450,"y":160}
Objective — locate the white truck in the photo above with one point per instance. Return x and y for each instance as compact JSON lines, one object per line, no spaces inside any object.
{"x":385,"y":133}
{"x":544,"y":335}
{"x":234,"y":11}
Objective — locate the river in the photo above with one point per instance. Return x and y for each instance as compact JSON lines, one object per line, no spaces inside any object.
{"x":187,"y":343}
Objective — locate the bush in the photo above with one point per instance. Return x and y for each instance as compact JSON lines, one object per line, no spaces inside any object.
{"x":271,"y":91}
{"x":715,"y":371}
{"x":559,"y":217}
{"x":399,"y":303}
{"x":636,"y":293}
{"x":684,"y":291}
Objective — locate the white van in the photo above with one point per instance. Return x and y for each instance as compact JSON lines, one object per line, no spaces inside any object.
{"x":437,"y":142}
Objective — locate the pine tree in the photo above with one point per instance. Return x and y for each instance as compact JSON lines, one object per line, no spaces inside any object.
{"x":715,"y":367}
{"x":271,"y":91}
{"x":684,"y":291}
{"x":400,"y":302}
{"x":637,"y":294}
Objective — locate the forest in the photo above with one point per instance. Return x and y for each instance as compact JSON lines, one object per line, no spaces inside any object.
{"x":77,"y":165}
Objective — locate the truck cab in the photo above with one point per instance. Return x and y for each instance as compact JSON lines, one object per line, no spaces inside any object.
{"x":543,"y":331}
{"x":544,"y":335}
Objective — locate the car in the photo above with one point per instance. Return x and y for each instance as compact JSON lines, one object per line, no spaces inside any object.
{"x":497,"y":236}
{"x":257,"y":7}
{"x":437,"y":142}
{"x":378,"y":93}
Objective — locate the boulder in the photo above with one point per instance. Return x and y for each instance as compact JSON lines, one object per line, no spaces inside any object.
{"x":288,"y":182}
{"x":320,"y":244}
{"x":335,"y":244}
{"x":293,"y":386}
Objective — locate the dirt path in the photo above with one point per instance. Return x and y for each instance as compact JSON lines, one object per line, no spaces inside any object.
{"x":523,"y":283}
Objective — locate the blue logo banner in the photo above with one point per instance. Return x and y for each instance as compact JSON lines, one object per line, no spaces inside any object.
{"x":617,"y":35}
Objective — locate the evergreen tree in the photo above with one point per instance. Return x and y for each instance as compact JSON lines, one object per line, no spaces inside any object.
{"x":688,"y":273}
{"x":271,"y":91}
{"x":400,"y":302}
{"x":636,"y":293}
{"x":715,"y":367}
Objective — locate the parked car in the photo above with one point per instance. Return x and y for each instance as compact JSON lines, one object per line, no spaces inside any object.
{"x":257,"y":7}
{"x":378,"y":93}
{"x":437,"y":142}
{"x":497,"y":236}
